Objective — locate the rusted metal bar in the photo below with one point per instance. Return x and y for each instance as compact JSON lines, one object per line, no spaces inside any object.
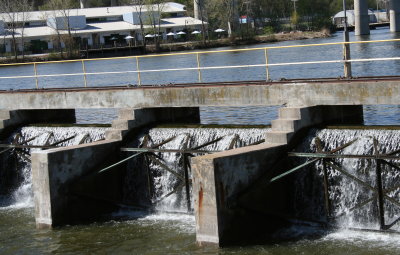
{"x":64,"y":140}
{"x":166,"y":150}
{"x":326,"y":190}
{"x":258,"y":142}
{"x":233,"y":142}
{"x":187,"y":184}
{"x":170,"y":193}
{"x":333,"y":156}
{"x":362,"y":182}
{"x":165,"y":167}
{"x":379,"y":187}
{"x":207,"y":143}
{"x":359,"y":205}
{"x":83,"y":139}
{"x":149,"y":178}
{"x":390,"y":164}
{"x":392,"y":224}
{"x":293,"y":170}
{"x":11,"y":146}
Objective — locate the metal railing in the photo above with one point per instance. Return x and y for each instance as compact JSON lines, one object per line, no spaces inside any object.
{"x":199,"y":68}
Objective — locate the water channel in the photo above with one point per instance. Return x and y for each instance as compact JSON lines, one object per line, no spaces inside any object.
{"x":130,"y":232}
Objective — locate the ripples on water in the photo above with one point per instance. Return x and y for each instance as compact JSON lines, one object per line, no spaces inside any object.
{"x":175,"y":234}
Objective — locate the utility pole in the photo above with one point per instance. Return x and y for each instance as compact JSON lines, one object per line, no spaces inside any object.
{"x":346,"y":46}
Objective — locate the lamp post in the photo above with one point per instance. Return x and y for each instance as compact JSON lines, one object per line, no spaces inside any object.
{"x":346,"y":46}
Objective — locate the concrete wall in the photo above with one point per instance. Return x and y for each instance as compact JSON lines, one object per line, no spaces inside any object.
{"x":55,"y":172}
{"x":66,"y":183}
{"x":10,"y":119}
{"x":338,"y":92}
{"x":232,"y":198}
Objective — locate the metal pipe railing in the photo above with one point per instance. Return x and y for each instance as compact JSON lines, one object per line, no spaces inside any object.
{"x":198,"y":68}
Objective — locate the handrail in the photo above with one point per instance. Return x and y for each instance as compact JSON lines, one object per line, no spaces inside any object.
{"x":198,"y":67}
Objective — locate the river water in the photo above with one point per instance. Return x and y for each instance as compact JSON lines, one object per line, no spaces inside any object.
{"x":136,"y":233}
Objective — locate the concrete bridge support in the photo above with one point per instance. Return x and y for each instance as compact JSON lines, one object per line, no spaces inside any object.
{"x":361,"y":17}
{"x":10,"y":119}
{"x":67,"y":184}
{"x":394,"y":16}
{"x":232,"y":198}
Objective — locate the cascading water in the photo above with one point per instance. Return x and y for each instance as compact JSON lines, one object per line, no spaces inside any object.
{"x":16,"y":165}
{"x":167,"y":190}
{"x":353,"y":204}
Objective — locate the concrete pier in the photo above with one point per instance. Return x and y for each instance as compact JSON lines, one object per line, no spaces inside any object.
{"x":361,"y":17}
{"x":394,"y":16}
{"x":232,"y":198}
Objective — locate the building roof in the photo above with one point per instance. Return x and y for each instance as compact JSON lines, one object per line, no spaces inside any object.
{"x":168,"y":7}
{"x":104,"y":27}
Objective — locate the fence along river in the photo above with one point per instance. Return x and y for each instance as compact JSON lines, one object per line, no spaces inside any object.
{"x":170,"y":233}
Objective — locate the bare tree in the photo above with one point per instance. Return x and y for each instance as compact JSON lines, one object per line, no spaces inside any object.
{"x":200,"y":13}
{"x":154,"y":15}
{"x":16,"y":15}
{"x":60,"y":11}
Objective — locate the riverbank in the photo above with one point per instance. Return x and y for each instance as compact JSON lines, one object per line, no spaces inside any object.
{"x":179,"y":46}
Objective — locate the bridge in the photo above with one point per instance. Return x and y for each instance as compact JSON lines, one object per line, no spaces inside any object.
{"x":219,"y":179}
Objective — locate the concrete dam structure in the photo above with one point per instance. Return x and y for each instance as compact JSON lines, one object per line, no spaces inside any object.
{"x":234,"y":191}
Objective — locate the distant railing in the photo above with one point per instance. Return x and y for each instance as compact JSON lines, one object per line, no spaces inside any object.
{"x":199,"y":68}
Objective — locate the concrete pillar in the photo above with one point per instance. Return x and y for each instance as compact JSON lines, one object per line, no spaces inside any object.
{"x":232,"y":200}
{"x":361,"y":17}
{"x":394,"y":16}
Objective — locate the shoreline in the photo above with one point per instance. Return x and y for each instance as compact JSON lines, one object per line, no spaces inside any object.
{"x":183,"y":46}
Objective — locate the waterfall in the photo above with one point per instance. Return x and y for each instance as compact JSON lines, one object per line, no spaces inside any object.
{"x":347,"y":193}
{"x":15,"y":170}
{"x":167,"y":190}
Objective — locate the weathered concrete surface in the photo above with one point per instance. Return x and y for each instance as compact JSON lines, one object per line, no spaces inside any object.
{"x":10,"y":119}
{"x":131,"y":119}
{"x":233,"y":201}
{"x":64,"y":188}
{"x":361,"y":17}
{"x":346,"y":92}
{"x":56,"y":171}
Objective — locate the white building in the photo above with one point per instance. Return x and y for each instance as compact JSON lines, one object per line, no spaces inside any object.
{"x":94,"y":27}
{"x":338,"y":19}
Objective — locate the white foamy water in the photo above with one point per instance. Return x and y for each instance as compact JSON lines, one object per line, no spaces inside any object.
{"x":22,"y":196}
{"x":164,"y":182}
{"x":346,"y":193}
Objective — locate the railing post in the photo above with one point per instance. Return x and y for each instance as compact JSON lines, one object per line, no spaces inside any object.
{"x":138,"y":71}
{"x":84,"y":73}
{"x":198,"y":67}
{"x":346,"y":46}
{"x":36,"y":78}
{"x":266,"y":64}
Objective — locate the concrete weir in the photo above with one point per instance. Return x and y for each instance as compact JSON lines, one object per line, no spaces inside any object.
{"x":232,"y":198}
{"x":233,"y":201}
{"x":66,"y":181}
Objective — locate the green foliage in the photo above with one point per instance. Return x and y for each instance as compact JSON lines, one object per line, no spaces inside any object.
{"x":268,"y":30}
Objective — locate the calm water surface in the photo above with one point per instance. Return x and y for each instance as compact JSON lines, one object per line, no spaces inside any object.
{"x":175,"y":234}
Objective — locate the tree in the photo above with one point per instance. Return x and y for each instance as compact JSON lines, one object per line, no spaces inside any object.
{"x":16,"y":13}
{"x":62,"y":9}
